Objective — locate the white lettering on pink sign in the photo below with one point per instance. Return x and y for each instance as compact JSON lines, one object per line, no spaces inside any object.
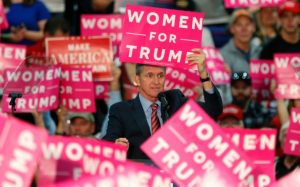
{"x":292,"y":142}
{"x":287,"y":75}
{"x":175,"y":148}
{"x":160,"y":36}
{"x":251,"y":3}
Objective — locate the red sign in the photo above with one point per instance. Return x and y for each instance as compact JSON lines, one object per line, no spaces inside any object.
{"x":287,"y":75}
{"x":291,"y":145}
{"x":195,"y":151}
{"x":77,"y":89}
{"x":20,"y":151}
{"x":161,"y":37}
{"x":95,"y":52}
{"x":3,"y":20}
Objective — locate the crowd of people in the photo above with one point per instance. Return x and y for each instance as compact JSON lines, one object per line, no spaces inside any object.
{"x":253,"y":34}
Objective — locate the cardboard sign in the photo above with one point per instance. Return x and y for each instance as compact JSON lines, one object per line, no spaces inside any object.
{"x":38,"y":86}
{"x":95,"y":52}
{"x":120,"y":5}
{"x":252,"y":3}
{"x":291,"y":145}
{"x":216,"y":66}
{"x":133,"y":174}
{"x":260,"y":146}
{"x":196,"y":152}
{"x":11,"y":56}
{"x":158,"y":36}
{"x":102,"y":90}
{"x":184,"y":80}
{"x":287,"y":68}
{"x":291,"y":180}
{"x":66,"y":158}
{"x":20,"y":151}
{"x":262,"y":72}
{"x":104,"y":25}
{"x":3,"y":20}
{"x":77,"y":89}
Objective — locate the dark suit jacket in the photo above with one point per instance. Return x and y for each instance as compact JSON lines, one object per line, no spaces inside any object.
{"x":127,"y":119}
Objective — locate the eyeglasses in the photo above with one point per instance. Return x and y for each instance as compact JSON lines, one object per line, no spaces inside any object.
{"x":240,"y":76}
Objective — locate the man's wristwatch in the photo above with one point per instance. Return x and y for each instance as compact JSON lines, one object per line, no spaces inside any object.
{"x":205,"y":80}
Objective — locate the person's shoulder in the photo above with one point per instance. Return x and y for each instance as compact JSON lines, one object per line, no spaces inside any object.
{"x":122,"y":105}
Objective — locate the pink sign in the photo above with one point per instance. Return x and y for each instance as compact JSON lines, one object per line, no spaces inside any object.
{"x":182,"y":79}
{"x":133,"y":174}
{"x":195,"y":151}
{"x":216,"y":66}
{"x":160,"y":36}
{"x":104,"y":25}
{"x":66,"y":158}
{"x":262,"y":72}
{"x":93,"y":51}
{"x":291,"y":145}
{"x":3,"y":20}
{"x":11,"y":56}
{"x":37,"y":86}
{"x":20,"y":151}
{"x":291,"y":180}
{"x":77,"y":89}
{"x":287,"y":68}
{"x":260,"y":146}
{"x":102,"y":90}
{"x":251,"y":3}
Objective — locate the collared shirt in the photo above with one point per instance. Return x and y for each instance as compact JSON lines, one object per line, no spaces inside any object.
{"x":146,"y":104}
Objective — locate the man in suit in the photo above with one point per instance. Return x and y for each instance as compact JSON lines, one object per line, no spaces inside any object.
{"x":132,"y":122}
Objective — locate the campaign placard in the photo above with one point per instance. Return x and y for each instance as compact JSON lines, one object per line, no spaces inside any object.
{"x":120,"y":5}
{"x":77,"y":89}
{"x":291,"y":144}
{"x":94,"y":51}
{"x":103,"y":25}
{"x":3,"y":20}
{"x":71,"y":158}
{"x":262,"y":73}
{"x":182,"y":79}
{"x":260,"y":146}
{"x":101,"y":90}
{"x":195,"y":151}
{"x":160,"y":37}
{"x":252,"y":3}
{"x":20,"y":151}
{"x":215,"y":65}
{"x":287,"y":68}
{"x":11,"y":56}
{"x":37,"y":87}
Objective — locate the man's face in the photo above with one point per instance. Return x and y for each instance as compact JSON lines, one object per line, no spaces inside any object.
{"x":230,"y":122}
{"x":242,"y":29}
{"x":81,"y":127}
{"x":289,"y":22}
{"x":241,"y":91}
{"x":151,"y":81}
{"x":268,"y":16}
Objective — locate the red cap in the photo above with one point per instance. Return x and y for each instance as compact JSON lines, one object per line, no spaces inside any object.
{"x":291,"y":6}
{"x":232,"y":111}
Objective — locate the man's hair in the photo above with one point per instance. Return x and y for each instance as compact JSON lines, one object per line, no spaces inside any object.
{"x":56,"y":23}
{"x":138,"y":68}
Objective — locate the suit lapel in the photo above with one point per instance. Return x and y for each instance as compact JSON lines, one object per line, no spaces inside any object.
{"x":140,"y":117}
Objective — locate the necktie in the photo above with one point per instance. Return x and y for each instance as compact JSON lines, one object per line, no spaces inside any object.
{"x":154,"y":119}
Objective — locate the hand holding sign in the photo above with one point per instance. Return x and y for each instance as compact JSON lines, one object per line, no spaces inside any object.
{"x":198,"y":58}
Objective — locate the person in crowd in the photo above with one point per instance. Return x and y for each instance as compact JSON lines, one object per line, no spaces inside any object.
{"x":267,"y":24}
{"x":240,"y":48}
{"x":232,"y":117}
{"x":27,"y":19}
{"x":81,"y":124}
{"x":285,"y":164}
{"x":255,"y":115}
{"x":132,"y":122}
{"x":288,"y":39}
